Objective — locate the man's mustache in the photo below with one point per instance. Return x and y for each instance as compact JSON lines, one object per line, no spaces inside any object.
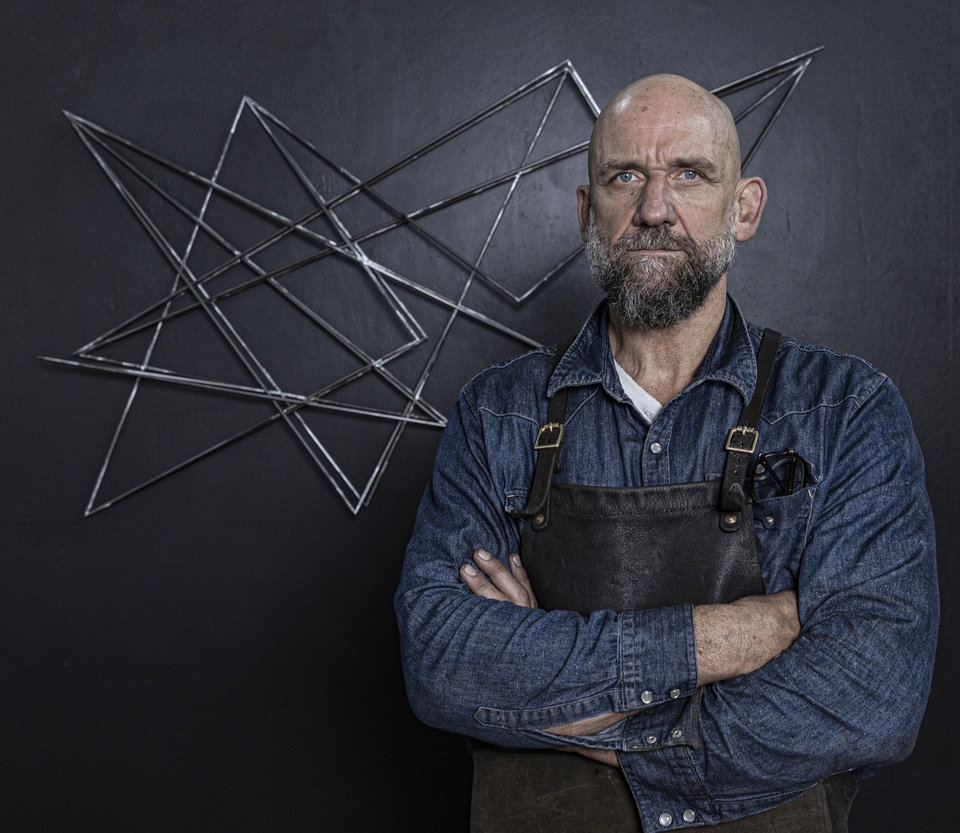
{"x":655,"y":238}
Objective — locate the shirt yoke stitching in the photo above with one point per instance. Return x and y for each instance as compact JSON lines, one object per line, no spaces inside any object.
{"x":790,"y":343}
{"x":507,"y":414}
{"x":858,"y":399}
{"x":813,"y":408}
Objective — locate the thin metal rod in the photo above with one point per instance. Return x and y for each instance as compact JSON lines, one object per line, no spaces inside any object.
{"x":462,"y":127}
{"x":776,"y":115}
{"x":772,"y":91}
{"x":381,"y":467}
{"x":393,"y":302}
{"x":400,"y":218}
{"x":284,"y":397}
{"x":763,"y":74}
{"x":89,"y":510}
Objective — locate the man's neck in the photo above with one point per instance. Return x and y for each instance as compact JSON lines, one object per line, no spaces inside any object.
{"x":663,"y":361}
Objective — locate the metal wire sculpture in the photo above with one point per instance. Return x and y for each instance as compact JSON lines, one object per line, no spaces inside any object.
{"x":326,"y":235}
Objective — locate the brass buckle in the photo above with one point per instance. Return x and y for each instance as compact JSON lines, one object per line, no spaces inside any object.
{"x":747,"y":432}
{"x":550,"y":426}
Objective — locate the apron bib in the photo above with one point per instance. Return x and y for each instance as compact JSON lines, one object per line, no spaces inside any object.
{"x":608,"y":548}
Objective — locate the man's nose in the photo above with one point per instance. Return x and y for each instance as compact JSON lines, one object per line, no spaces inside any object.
{"x":654,"y":206}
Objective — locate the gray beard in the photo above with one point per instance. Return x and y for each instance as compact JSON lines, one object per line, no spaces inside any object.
{"x":653,"y":293}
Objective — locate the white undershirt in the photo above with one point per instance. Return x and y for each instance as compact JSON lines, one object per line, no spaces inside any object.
{"x":644,"y":402}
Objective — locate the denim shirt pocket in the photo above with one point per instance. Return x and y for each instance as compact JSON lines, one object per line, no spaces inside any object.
{"x":782,"y":526}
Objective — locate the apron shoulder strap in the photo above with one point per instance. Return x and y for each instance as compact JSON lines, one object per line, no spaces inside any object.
{"x":547,"y":446}
{"x":742,"y":438}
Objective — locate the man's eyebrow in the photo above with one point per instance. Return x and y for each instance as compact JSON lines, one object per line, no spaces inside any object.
{"x":617,"y":165}
{"x":697,"y":163}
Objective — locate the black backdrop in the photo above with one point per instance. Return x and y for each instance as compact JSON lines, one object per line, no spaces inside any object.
{"x":219,"y":652}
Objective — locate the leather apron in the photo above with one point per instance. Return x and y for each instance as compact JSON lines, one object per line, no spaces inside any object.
{"x":590,"y":548}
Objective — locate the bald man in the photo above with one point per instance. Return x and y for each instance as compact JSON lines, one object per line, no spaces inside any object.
{"x":680,"y":571}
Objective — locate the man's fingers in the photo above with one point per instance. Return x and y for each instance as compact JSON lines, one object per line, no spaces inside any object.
{"x":521,"y":575}
{"x":478,"y":584}
{"x":502,"y":583}
{"x":501,"y":578}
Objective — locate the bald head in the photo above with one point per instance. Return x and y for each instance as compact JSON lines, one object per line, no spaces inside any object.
{"x":660,"y":101}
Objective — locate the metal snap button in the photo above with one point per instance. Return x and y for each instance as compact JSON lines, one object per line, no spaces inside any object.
{"x":651,"y":739}
{"x":689,"y":816}
{"x":646,"y":697}
{"x":656,"y":448}
{"x":665,"y":819}
{"x":674,"y":693}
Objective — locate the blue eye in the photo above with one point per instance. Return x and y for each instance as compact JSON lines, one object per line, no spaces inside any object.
{"x":690,"y":174}
{"x":626,"y":176}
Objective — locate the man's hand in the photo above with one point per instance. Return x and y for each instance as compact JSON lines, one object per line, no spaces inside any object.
{"x":737,"y":638}
{"x":511,"y":585}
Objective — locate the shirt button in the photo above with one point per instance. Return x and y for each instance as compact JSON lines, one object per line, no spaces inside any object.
{"x":655,"y":448}
{"x":689,"y":816}
{"x":674,"y":693}
{"x":646,"y":697}
{"x":676,"y":733}
{"x":651,"y":739}
{"x":769,"y":520}
{"x":665,"y":819}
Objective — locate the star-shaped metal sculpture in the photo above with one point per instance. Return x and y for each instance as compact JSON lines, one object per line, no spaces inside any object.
{"x":281,"y":246}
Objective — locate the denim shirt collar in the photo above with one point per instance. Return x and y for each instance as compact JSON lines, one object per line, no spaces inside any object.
{"x":731,"y":357}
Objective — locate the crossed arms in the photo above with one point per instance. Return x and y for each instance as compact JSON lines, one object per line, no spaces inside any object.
{"x":731,"y":639}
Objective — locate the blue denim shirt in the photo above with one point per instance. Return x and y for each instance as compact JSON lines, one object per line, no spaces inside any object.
{"x":857,"y":543}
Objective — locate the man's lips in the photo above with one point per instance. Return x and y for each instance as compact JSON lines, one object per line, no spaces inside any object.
{"x":657,"y":251}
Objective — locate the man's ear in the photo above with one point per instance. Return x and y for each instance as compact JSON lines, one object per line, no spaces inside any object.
{"x":750,"y":200}
{"x":583,"y":210}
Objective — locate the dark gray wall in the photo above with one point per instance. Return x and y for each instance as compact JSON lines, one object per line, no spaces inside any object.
{"x":219,"y":651}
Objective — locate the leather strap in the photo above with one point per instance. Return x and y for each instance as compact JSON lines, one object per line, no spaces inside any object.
{"x":547,"y":446}
{"x":742,"y":438}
